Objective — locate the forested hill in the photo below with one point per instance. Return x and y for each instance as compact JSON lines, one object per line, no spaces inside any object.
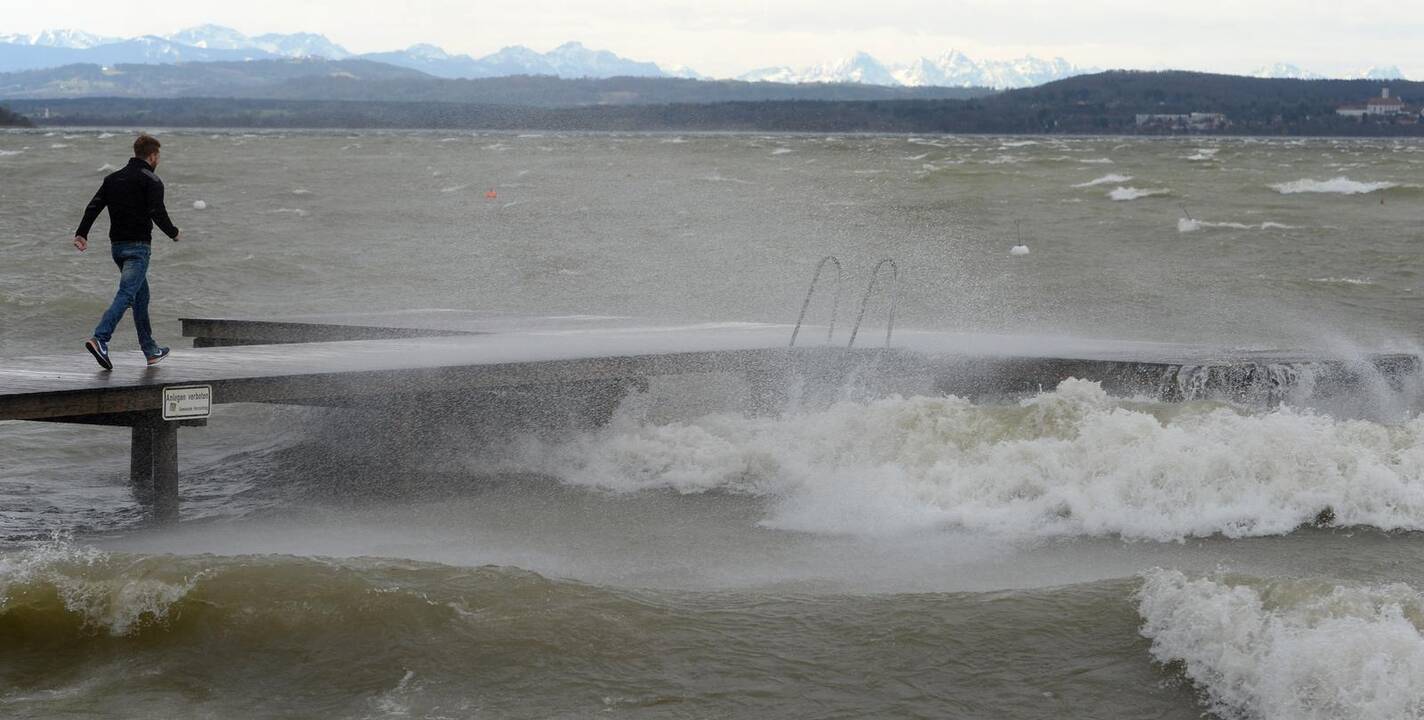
{"x":10,"y":119}
{"x":1112,"y":100}
{"x":1102,"y":103}
{"x":367,"y":81}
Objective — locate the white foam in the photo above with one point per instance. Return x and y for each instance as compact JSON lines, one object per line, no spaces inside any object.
{"x":1202,"y":155}
{"x":1132,"y":193}
{"x":1342,"y":281}
{"x":8,"y":153}
{"x":1018,"y":250}
{"x":200,"y":205}
{"x":719,"y":178}
{"x":58,"y":146}
{"x":115,"y":602}
{"x":1112,"y":179}
{"x":1280,"y":650}
{"x":106,"y":167}
{"x":1341,"y":185}
{"x":1068,"y":462}
{"x":287,"y":211}
{"x":1107,"y":180}
{"x":1097,"y":161}
{"x":782,"y":151}
{"x":1187,"y":225}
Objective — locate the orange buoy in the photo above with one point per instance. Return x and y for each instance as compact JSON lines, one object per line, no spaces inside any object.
{"x":491,"y":195}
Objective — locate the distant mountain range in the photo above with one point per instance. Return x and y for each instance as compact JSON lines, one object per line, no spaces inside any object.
{"x":215,"y":43}
{"x":1295,"y":72}
{"x":209,"y":43}
{"x":952,"y":69}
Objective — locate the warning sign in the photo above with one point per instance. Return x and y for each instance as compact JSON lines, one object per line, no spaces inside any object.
{"x":182,"y":403}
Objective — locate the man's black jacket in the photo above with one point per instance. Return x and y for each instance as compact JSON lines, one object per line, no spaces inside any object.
{"x":134,"y":196}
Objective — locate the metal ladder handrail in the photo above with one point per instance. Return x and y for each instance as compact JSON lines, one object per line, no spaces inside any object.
{"x":869,"y":290}
{"x":810,"y":291}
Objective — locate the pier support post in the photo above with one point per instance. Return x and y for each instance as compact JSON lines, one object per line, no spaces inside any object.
{"x":141,"y":463}
{"x":153,"y":467}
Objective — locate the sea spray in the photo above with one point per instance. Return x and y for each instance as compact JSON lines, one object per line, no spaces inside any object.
{"x":1288,"y":649}
{"x":1069,"y":462}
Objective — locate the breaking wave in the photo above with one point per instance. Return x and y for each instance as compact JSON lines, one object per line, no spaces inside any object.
{"x":1070,"y":462}
{"x":1112,"y":179}
{"x":1132,"y":193}
{"x":1285,"y":649}
{"x":1340,"y":185}
{"x":1187,"y":225}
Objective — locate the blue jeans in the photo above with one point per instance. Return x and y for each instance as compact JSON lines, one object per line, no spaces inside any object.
{"x":132,"y":259}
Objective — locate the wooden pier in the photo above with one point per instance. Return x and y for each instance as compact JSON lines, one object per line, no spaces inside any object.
{"x":421,"y":356}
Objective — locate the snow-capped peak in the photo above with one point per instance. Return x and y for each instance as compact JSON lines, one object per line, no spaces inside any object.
{"x":211,"y":37}
{"x":1285,"y":70}
{"x":952,"y":69}
{"x":73,"y":39}
{"x":1382,"y":72}
{"x":426,"y":51}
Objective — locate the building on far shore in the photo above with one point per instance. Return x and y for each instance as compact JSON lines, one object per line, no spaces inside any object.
{"x":1183,"y":122}
{"x":1383,"y":106}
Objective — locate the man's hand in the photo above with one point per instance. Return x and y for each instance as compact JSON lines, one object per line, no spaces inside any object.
{"x":178,"y":237}
{"x":81,"y":242}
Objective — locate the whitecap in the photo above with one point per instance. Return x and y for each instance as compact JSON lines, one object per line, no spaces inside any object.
{"x":1105,"y":180}
{"x":1070,"y":462}
{"x":1132,"y":193}
{"x":1278,"y":649}
{"x":718,"y":178}
{"x":1342,"y":281}
{"x":1341,"y":185}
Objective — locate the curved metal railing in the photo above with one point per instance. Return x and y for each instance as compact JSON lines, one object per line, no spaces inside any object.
{"x":835,"y":297}
{"x":870,"y":290}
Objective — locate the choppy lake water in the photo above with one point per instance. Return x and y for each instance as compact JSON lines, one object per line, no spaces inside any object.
{"x":1067,"y":554}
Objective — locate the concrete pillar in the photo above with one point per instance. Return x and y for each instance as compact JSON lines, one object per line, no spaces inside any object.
{"x":141,"y":463}
{"x":153,"y":467}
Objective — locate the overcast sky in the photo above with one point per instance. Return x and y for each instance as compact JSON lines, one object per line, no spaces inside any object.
{"x":727,"y":37}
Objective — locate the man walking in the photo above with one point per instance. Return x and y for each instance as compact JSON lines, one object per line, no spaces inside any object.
{"x":134,"y":197}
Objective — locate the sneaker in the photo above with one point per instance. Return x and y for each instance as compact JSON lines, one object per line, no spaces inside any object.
{"x":100,"y":350}
{"x":155,"y":359}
